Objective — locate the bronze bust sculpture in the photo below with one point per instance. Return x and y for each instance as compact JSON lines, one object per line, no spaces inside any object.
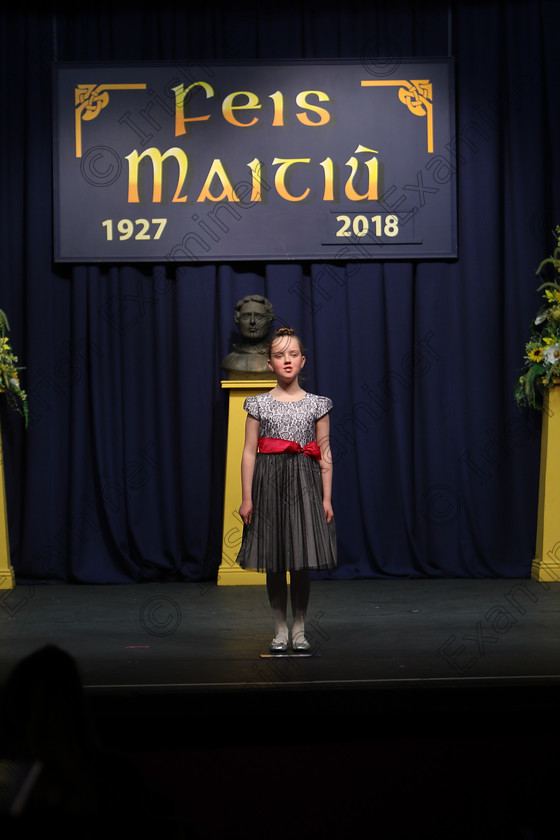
{"x":254,"y":316}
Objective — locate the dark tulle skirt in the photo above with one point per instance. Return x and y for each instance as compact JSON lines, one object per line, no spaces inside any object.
{"x":288,"y":531}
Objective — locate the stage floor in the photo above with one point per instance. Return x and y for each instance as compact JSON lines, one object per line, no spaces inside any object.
{"x":194,"y":638}
{"x":439,"y":695}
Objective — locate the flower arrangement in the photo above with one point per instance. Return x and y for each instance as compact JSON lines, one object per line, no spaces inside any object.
{"x":542,"y":352}
{"x":9,"y":378}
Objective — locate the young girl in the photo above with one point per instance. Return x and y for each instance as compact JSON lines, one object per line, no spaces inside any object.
{"x":286,"y":479}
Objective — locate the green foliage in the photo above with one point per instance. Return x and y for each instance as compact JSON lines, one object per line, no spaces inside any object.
{"x":541,"y":362}
{"x":9,"y":372}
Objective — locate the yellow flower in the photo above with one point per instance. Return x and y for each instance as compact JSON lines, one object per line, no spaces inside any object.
{"x":550,"y":340}
{"x":552,"y":295}
{"x":535,"y":354}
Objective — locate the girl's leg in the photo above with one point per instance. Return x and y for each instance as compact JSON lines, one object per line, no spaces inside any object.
{"x":277,"y":588}
{"x":299,"y":592}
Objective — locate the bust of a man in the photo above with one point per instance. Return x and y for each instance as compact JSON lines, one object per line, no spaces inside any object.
{"x":248,"y":360}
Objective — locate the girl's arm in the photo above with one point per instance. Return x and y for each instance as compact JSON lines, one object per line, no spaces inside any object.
{"x":322,"y":432}
{"x":248,"y":467}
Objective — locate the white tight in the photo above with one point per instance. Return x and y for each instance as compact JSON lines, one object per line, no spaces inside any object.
{"x":277,"y":588}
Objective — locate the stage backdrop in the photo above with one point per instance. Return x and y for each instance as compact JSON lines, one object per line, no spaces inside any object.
{"x":254,"y":161}
{"x":120,"y":475}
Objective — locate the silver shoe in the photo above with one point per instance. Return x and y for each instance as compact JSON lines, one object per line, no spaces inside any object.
{"x":299,"y":642}
{"x":279,"y":644}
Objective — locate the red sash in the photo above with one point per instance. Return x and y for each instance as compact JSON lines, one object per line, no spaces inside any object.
{"x":271,"y":445}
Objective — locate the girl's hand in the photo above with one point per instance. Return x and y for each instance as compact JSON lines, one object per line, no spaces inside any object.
{"x":246,"y":512}
{"x":329,"y":513}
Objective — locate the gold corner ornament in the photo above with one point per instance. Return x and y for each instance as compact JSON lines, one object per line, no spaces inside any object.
{"x":416,"y":94}
{"x":89,"y":101}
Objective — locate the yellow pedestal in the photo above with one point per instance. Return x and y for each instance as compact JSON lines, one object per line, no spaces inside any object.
{"x":546,"y":565}
{"x":229,"y":572}
{"x":7,"y":579}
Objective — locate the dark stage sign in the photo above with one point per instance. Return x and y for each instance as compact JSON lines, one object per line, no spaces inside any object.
{"x":309,"y":160}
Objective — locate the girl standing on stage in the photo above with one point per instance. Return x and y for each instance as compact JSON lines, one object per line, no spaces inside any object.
{"x":286,"y":479}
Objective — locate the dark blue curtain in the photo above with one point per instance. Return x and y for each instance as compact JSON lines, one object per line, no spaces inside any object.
{"x":120,"y":476}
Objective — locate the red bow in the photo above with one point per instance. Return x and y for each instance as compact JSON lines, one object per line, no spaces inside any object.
{"x":271,"y":445}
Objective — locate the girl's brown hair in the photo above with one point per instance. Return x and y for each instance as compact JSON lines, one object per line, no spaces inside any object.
{"x":284,"y":332}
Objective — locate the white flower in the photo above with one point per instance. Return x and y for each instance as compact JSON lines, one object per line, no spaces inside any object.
{"x":540,"y":318}
{"x":15,"y":384}
{"x":552,"y":353}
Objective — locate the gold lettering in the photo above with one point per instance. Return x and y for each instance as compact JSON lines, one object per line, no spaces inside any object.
{"x":256,"y":171}
{"x":301,"y":101}
{"x":157,"y":165}
{"x":180,"y":94}
{"x":280,"y":177}
{"x":278,"y":99}
{"x":328,"y":193}
{"x":372,"y":167}
{"x":217,"y":171}
{"x":228,"y":107}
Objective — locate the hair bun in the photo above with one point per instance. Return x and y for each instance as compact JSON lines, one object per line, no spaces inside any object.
{"x":284,"y":331}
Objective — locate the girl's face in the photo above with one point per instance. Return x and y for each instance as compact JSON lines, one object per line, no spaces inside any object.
{"x":286,"y":360}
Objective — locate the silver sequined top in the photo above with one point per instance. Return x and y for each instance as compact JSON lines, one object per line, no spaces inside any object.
{"x":288,"y":420}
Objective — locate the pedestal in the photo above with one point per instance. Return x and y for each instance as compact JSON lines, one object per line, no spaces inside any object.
{"x":7,"y":578}
{"x":546,"y":565}
{"x":229,"y":572}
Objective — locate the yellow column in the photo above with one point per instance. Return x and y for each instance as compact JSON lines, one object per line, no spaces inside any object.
{"x":7,"y":579}
{"x":229,"y":572}
{"x":546,"y":565}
